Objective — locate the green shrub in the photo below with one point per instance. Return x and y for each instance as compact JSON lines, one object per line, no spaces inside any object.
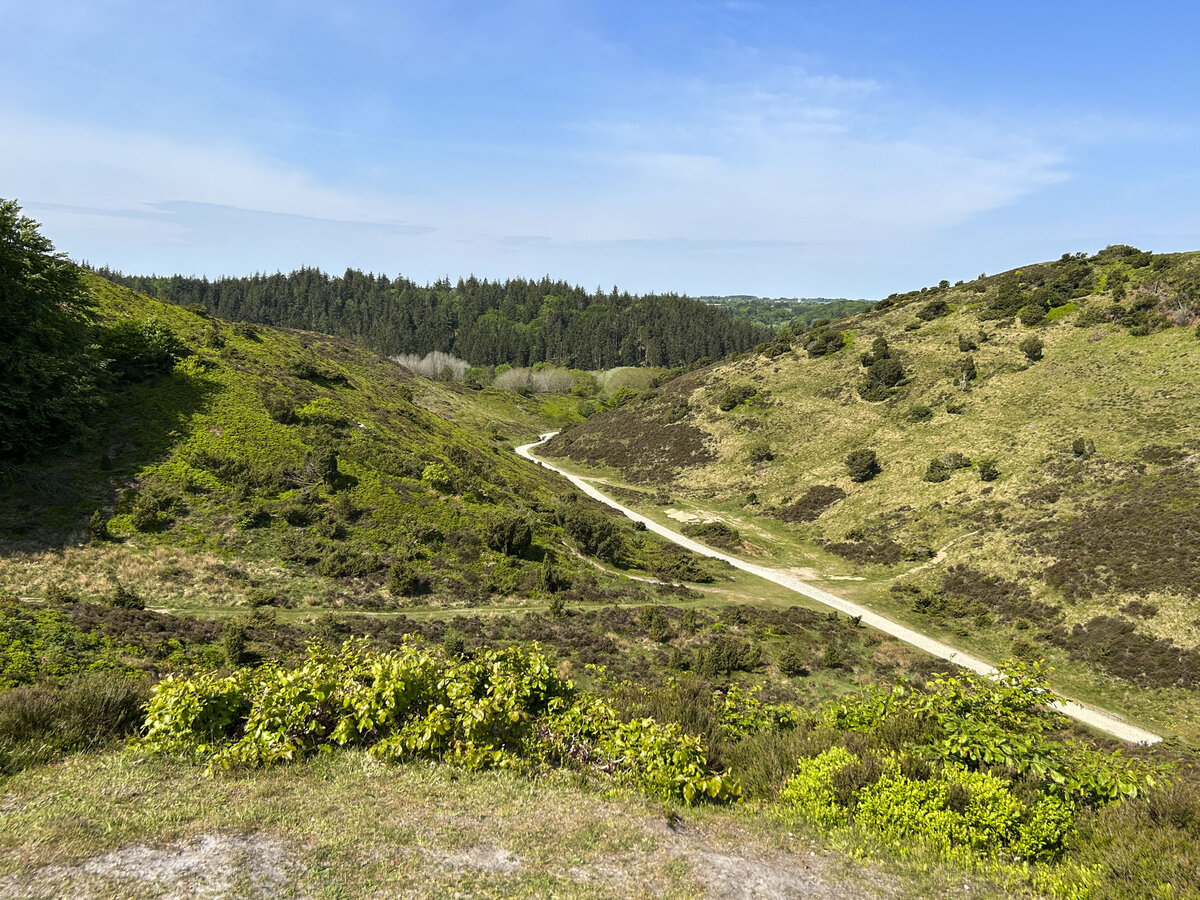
{"x":39,"y":722}
{"x":810,"y":791}
{"x":233,"y":643}
{"x":403,"y":581}
{"x":936,"y":472}
{"x":138,"y":349}
{"x":718,"y":534}
{"x":862,"y":465}
{"x":988,"y":470}
{"x":321,"y":465}
{"x":793,"y":661}
{"x":1033,"y":314}
{"x":727,"y":654}
{"x":965,"y":371}
{"x":509,"y":533}
{"x":934,"y":309}
{"x":761,"y":451}
{"x":1032,"y":348}
{"x":122,"y":597}
{"x":823,"y":341}
{"x":439,"y":477}
{"x":966,"y":345}
{"x":961,"y":765}
{"x":734,"y":396}
{"x":494,"y":708}
{"x":920,"y":413}
{"x":596,"y":532}
{"x":97,"y":527}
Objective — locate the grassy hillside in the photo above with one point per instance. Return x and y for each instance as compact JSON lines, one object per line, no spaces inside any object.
{"x":1062,"y":481}
{"x":293,"y":470}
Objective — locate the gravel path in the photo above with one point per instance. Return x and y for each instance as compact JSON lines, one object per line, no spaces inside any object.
{"x":1101,"y":721}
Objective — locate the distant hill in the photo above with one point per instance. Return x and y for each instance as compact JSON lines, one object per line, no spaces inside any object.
{"x":517,"y":322}
{"x":780,"y":312}
{"x":1041,"y":426}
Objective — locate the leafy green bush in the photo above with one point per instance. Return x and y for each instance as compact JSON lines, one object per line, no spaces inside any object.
{"x":988,"y":470}
{"x":862,"y":465}
{"x":920,"y":413}
{"x":494,"y":708}
{"x":963,"y":762}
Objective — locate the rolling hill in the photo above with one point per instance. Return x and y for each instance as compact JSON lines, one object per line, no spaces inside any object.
{"x":1035,"y":487}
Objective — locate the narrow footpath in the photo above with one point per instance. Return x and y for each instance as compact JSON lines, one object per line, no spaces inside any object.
{"x":1098,"y":719}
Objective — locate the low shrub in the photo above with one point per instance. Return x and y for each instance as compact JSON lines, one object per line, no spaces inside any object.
{"x":718,"y":534}
{"x":862,"y":465}
{"x":812,"y":503}
{"x":41,"y":721}
{"x":962,"y":764}
{"x":734,"y":396}
{"x":489,"y":709}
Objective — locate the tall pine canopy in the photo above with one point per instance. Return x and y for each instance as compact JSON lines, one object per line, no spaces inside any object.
{"x":44,"y":335}
{"x":518,"y":321}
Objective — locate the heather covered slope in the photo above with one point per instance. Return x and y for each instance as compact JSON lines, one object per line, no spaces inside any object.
{"x":1060,"y":474}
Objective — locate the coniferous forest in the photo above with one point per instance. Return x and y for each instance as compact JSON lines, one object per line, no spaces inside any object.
{"x":517,"y":321}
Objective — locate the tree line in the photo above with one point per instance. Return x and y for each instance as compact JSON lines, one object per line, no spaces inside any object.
{"x":518,"y":321}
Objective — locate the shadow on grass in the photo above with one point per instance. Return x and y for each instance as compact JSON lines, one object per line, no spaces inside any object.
{"x":45,"y":503}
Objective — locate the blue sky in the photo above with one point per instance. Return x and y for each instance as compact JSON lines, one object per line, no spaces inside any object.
{"x":784,"y":149}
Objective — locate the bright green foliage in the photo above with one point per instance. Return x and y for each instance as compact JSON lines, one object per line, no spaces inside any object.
{"x":810,"y":790}
{"x":493,"y":708}
{"x":657,"y":757}
{"x":958,"y":809}
{"x":44,"y":337}
{"x":948,"y":762}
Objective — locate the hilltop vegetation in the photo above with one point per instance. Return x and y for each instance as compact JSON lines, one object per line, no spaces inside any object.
{"x":795,"y":314}
{"x":1039,"y":425}
{"x":517,"y":322}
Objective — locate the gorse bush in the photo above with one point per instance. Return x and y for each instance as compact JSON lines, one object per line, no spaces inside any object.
{"x":490,"y":709}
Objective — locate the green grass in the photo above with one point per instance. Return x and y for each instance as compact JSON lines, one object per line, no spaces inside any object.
{"x":347,"y":826}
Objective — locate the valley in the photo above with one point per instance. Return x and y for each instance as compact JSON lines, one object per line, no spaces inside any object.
{"x":808,"y":611}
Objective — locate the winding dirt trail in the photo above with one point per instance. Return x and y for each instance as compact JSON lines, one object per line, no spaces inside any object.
{"x":1098,"y":719}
